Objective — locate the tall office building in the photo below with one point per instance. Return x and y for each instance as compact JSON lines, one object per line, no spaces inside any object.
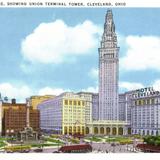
{"x":108,"y":71}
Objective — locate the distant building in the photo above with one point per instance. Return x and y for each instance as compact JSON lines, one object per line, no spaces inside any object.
{"x":122,"y":107}
{"x":95,"y":106}
{"x":0,"y":117}
{"x":145,"y":112}
{"x":63,"y":114}
{"x":35,"y":100}
{"x":125,"y":103}
{"x":14,"y":118}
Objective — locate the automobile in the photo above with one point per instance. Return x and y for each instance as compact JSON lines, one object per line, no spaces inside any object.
{"x":9,"y":151}
{"x":56,"y":152}
{"x":38,"y":150}
{"x":25,"y":151}
{"x":113,"y":144}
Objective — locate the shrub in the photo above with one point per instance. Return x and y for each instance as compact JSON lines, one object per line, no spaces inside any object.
{"x":75,"y":141}
{"x":157,"y":143}
{"x":54,"y":136}
{"x":53,"y":140}
{"x":96,"y":139}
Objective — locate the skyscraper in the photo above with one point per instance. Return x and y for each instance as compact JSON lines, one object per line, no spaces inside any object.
{"x":108,"y":71}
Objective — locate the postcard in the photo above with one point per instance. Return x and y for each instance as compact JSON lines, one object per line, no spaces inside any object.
{"x":79,"y":77}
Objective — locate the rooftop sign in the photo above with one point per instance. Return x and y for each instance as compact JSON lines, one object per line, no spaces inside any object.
{"x":145,"y":92}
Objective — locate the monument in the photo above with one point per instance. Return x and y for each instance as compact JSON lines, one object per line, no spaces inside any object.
{"x":28,"y":134}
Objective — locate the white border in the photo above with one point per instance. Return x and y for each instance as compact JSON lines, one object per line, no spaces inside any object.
{"x":86,"y":3}
{"x":111,"y":156}
{"x":100,"y":156}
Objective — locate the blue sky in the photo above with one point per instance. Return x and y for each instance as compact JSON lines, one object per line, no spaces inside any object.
{"x":48,"y":51}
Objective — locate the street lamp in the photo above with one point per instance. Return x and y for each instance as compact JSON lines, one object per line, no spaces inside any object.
{"x":42,"y":141}
{"x":21,"y":144}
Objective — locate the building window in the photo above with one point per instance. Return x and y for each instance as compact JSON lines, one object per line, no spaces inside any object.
{"x":144,"y":102}
{"x":75,"y":103}
{"x":135,"y":103}
{"x":70,"y":102}
{"x":152,"y":101}
{"x":79,"y":103}
{"x":66,"y":102}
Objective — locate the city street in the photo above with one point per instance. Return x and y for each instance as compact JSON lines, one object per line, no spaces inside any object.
{"x":99,"y":148}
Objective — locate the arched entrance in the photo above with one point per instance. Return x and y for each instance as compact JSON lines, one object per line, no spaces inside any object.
{"x":95,"y":130}
{"x":74,"y":129}
{"x":83,"y":130}
{"x":156,"y":133}
{"x":114,"y":130}
{"x":78,"y":130}
{"x":101,"y":130}
{"x":129,"y":131}
{"x":148,"y":132}
{"x":87,"y":130}
{"x":70,"y":130}
{"x":120,"y":131}
{"x":108,"y":131}
{"x":152,"y":133}
{"x":143,"y":132}
{"x":65,"y":130}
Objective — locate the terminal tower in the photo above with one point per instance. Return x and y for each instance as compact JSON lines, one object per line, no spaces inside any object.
{"x":108,"y":71}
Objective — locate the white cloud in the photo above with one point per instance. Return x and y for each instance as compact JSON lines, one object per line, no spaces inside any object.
{"x":94,"y":73}
{"x":91,"y":89}
{"x":51,"y":91}
{"x":56,"y":42}
{"x":156,"y":85}
{"x":21,"y":92}
{"x":12,"y":91}
{"x":143,"y":52}
{"x":130,"y":85}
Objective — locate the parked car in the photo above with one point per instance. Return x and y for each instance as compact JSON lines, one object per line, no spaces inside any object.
{"x":38,"y":150}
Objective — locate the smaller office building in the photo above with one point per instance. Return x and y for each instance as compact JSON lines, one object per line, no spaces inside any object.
{"x":14,"y":118}
{"x":64,"y":114}
{"x":35,"y":100}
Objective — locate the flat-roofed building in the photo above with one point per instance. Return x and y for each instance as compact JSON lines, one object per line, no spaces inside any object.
{"x":63,"y":114}
{"x":145,"y":112}
{"x":35,"y":100}
{"x":14,"y":118}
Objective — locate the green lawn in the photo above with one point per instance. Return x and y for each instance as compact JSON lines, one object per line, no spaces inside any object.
{"x":44,"y":145}
{"x":110,"y":139}
{"x":54,"y":140}
{"x":94,"y":139}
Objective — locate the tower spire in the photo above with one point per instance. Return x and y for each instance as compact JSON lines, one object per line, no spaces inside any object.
{"x":109,"y":37}
{"x":109,"y":23}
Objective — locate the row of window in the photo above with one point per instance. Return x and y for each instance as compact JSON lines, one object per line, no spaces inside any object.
{"x":145,"y":102}
{"x":73,"y":102}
